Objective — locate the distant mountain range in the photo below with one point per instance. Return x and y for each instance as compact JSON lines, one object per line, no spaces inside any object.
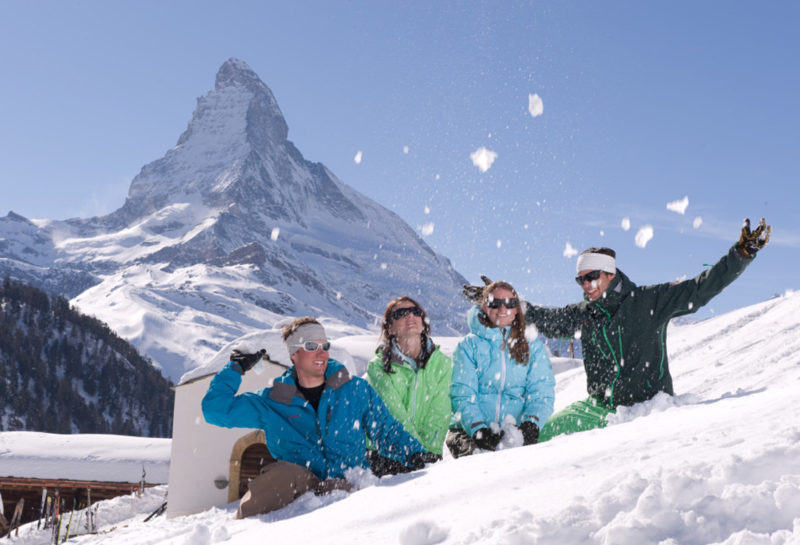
{"x":231,"y":231}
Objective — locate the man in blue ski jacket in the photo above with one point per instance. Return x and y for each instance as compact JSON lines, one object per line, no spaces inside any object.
{"x":316,"y":418}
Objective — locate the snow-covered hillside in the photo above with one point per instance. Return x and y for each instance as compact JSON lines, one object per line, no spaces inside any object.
{"x":718,"y":463}
{"x":227,"y":233}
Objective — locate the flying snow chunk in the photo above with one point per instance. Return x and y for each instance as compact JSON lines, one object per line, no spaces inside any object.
{"x":569,"y":251}
{"x":626,"y":224}
{"x":427,"y":210}
{"x":384,"y":266}
{"x":499,"y":243}
{"x":535,"y":105}
{"x":679,"y":206}
{"x":644,"y":235}
{"x":698,"y":221}
{"x":483,"y":158}
{"x":274,"y":234}
{"x":358,"y":156}
{"x":405,"y":150}
{"x":427,"y":229}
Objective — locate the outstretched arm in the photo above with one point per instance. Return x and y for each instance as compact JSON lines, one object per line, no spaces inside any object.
{"x":556,"y":323}
{"x":688,"y":296}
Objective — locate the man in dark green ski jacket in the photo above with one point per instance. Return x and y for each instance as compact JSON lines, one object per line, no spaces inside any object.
{"x":623,"y":328}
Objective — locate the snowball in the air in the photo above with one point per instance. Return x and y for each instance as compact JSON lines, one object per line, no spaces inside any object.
{"x":626,"y":224}
{"x":358,"y":156}
{"x":679,"y":206}
{"x":483,"y":158}
{"x":569,"y":251}
{"x":644,"y":235}
{"x":535,"y":105}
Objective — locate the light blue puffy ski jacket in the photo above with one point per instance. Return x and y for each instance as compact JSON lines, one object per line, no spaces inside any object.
{"x":489,"y":384}
{"x":327,"y":441}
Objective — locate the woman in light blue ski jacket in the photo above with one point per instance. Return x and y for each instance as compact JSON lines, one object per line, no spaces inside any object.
{"x":498,"y":376}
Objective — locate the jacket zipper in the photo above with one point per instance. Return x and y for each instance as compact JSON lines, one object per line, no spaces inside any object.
{"x":613,"y":355}
{"x":414,"y":399}
{"x":502,"y":377}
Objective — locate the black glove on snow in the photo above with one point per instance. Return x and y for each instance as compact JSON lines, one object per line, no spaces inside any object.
{"x":246,"y":361}
{"x":530,"y":432}
{"x":419,"y":459}
{"x":475,"y":293}
{"x":751,"y":242}
{"x":486,"y":439}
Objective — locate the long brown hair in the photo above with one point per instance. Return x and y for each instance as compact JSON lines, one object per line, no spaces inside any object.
{"x":518,"y":344}
{"x":388,"y":341}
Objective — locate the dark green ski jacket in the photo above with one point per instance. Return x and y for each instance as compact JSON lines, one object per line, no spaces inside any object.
{"x":623,"y":334}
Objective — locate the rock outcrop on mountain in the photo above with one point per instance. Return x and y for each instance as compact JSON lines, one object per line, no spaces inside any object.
{"x":230,"y":231}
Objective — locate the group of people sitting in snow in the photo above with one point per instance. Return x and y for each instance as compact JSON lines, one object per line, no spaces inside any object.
{"x":498,"y":389}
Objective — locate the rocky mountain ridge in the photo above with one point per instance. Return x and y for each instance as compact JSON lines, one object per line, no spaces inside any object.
{"x":231,"y":231}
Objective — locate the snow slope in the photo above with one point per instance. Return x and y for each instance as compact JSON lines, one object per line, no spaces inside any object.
{"x":718,"y":463}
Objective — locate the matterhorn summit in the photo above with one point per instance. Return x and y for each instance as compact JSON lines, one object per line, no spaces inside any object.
{"x":231,"y":231}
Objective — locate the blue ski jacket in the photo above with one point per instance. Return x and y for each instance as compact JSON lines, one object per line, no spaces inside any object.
{"x":489,"y":384}
{"x":327,"y":441}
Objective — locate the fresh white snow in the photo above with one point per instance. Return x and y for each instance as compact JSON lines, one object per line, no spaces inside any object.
{"x":679,"y":206}
{"x":717,"y":464}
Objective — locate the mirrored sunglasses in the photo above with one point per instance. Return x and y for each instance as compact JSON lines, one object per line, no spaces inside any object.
{"x":510,"y":302}
{"x":399,"y":313}
{"x":312,"y":346}
{"x":588,"y":277}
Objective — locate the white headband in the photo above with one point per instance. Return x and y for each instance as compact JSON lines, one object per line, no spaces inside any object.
{"x":596,"y":262}
{"x":306,"y":332}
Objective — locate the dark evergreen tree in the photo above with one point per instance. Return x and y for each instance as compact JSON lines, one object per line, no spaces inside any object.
{"x":61,"y":371}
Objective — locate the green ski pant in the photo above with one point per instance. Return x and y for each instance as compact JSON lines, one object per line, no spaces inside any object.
{"x":587,"y":414}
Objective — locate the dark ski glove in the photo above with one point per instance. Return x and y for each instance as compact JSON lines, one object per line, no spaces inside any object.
{"x":475,"y":293}
{"x":486,"y":439}
{"x":530,"y":433}
{"x":419,"y":459}
{"x":751,"y":242}
{"x":246,"y":361}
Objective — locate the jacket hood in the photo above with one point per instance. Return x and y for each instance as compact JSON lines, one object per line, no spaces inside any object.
{"x":490,"y":333}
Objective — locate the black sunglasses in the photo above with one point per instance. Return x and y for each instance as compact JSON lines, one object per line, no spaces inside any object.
{"x":403,"y":312}
{"x":311,"y":346}
{"x":510,"y":302}
{"x":588,"y":277}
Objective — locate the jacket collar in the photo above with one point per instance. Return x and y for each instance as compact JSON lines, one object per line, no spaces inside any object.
{"x":490,"y":333}
{"x":398,"y":357}
{"x":617,"y":291}
{"x":284,"y":388}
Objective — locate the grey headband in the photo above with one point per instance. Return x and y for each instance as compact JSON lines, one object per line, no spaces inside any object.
{"x":306,"y":332}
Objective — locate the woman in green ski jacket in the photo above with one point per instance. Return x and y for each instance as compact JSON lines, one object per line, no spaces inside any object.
{"x":623,"y":328}
{"x":412,"y":376}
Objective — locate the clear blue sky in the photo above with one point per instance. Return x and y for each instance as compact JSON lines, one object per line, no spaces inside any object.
{"x":644,"y":104}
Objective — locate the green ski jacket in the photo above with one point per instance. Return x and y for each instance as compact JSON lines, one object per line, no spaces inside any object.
{"x":420,"y":401}
{"x":623,"y":334}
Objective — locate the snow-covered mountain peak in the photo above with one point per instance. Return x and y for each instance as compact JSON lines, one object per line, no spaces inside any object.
{"x":229,"y":232}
